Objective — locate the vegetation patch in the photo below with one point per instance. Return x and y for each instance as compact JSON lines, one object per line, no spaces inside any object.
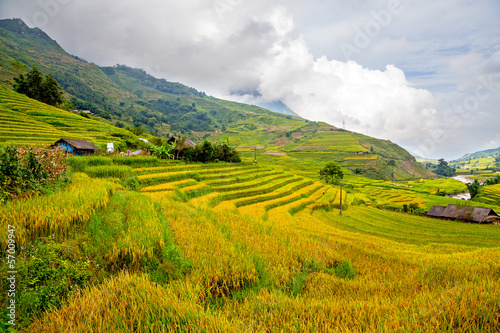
{"x":25,"y":171}
{"x":107,"y":171}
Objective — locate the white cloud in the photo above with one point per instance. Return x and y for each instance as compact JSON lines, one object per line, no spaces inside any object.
{"x":382,"y":103}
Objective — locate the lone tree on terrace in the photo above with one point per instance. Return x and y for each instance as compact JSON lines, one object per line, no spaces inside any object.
{"x":331,"y":173}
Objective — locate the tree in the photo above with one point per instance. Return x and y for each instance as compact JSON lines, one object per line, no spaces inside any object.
{"x":474,"y":188}
{"x":207,"y":152}
{"x":331,"y":173}
{"x":35,"y":86}
{"x":444,"y":169}
{"x":50,"y":92}
{"x":179,"y":146}
{"x":392,"y":164}
{"x":162,"y":152}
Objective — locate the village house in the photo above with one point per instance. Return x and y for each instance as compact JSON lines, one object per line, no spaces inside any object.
{"x":87,"y":112}
{"x":188,"y":143}
{"x":76,"y":147}
{"x":465,"y":214}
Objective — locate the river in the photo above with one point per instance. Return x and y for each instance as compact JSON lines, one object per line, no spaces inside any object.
{"x":464,"y":195}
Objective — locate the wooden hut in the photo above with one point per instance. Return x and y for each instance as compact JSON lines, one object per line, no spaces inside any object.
{"x":76,"y":147}
{"x":436,"y":211}
{"x":464,"y":213}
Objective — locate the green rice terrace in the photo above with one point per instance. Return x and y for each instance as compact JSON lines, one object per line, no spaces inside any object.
{"x":25,"y":121}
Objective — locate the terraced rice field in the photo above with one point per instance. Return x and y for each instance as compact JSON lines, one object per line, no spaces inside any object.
{"x":24,"y":121}
{"x":256,"y":190}
{"x":246,"y":248}
{"x":249,"y":188}
{"x":343,"y":141}
{"x":490,"y":195}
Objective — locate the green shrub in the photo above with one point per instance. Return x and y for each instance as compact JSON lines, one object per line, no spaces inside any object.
{"x":132,"y":183}
{"x":196,"y":176}
{"x":47,"y":274}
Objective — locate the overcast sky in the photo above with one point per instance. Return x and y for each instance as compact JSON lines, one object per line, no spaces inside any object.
{"x":423,"y":74}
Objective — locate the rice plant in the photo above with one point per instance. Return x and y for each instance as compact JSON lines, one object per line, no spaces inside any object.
{"x":107,"y":171}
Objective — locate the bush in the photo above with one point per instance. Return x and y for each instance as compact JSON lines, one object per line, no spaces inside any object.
{"x":132,"y":183}
{"x":47,"y":274}
{"x":345,"y":270}
{"x":27,"y":170}
{"x":196,"y":176}
{"x":207,"y":152}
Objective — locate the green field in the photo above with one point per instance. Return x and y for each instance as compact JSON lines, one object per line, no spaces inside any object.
{"x":24,"y":121}
{"x":475,"y":164}
{"x":244,"y":247}
{"x":490,"y":195}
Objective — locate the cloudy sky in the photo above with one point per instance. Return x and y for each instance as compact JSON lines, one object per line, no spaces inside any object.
{"x":424,"y":74}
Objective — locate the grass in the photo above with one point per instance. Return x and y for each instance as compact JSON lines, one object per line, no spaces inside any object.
{"x":107,"y":171}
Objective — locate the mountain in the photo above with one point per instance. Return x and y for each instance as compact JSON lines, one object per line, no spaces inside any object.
{"x":278,"y":106}
{"x":480,"y":154}
{"x":275,"y":106}
{"x":130,"y":98}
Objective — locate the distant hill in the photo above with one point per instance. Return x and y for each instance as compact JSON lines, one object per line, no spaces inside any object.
{"x":480,"y":154}
{"x":127,"y":97}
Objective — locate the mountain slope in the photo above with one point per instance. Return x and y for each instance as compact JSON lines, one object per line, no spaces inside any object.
{"x":125,"y":96}
{"x":480,"y":154}
{"x":117,"y":93}
{"x":25,"y":121}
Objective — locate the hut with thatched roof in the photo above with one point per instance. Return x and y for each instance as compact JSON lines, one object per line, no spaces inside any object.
{"x":182,"y":141}
{"x":464,"y":213}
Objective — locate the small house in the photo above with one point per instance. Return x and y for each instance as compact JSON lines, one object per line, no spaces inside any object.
{"x":188,"y":143}
{"x":464,"y":213}
{"x":76,"y":147}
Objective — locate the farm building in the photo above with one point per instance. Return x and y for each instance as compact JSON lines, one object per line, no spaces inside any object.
{"x":76,"y":147}
{"x":188,"y":143}
{"x":465,"y":213}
